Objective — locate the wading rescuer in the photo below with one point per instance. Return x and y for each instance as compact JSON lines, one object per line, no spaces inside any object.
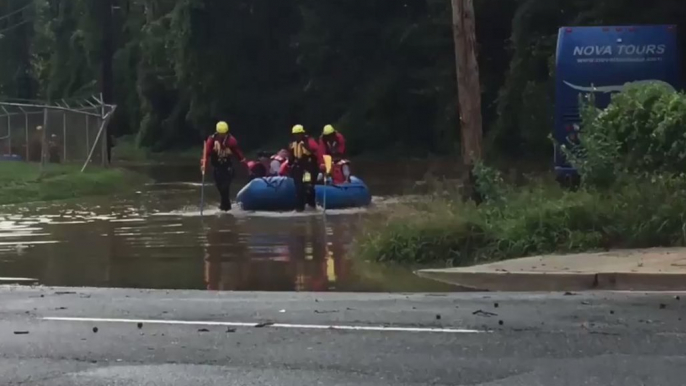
{"x":219,"y":148}
{"x":303,"y":167}
{"x":332,"y":143}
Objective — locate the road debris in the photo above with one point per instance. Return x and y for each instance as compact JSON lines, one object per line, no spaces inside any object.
{"x":484,"y":313}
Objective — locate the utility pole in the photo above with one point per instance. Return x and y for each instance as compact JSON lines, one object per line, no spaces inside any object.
{"x":106,"y":71}
{"x":468,"y":86}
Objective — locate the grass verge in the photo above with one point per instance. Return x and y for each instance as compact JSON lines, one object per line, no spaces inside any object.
{"x":24,"y":182}
{"x":538,"y":218}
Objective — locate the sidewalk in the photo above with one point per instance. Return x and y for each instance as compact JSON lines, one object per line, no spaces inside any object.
{"x":662,"y":269}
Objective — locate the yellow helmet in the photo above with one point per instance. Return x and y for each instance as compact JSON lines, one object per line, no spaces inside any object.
{"x":298,"y":129}
{"x":328,"y":130}
{"x":222,"y":127}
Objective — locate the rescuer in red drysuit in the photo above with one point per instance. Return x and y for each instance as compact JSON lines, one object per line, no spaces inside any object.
{"x":219,"y":149}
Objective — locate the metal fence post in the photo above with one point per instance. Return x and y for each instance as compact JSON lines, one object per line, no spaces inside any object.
{"x":88,"y":130}
{"x":26,"y":130}
{"x":64,"y":137}
{"x":103,"y":139}
{"x":9,"y":129}
{"x":9,"y":134}
{"x":44,"y":139}
{"x":103,"y":124}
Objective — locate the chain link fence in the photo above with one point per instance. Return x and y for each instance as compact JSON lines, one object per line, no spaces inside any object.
{"x":55,"y":133}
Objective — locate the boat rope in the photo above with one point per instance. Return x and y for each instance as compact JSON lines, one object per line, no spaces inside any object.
{"x":273,"y":185}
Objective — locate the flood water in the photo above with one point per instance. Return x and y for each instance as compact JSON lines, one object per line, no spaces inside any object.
{"x":156,"y":238}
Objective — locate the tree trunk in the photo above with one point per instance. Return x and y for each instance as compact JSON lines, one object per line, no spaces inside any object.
{"x":468,"y":88}
{"x":107,"y":73}
{"x":150,"y":11}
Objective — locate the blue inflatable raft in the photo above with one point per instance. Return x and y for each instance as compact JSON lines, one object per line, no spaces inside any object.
{"x":278,"y":194}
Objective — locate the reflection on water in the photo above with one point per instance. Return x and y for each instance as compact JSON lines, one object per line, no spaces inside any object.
{"x":157,"y":239}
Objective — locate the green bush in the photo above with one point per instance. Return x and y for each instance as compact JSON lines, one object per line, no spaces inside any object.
{"x":490,"y":183}
{"x":537,"y":219}
{"x":649,"y":123}
{"x":596,"y":156}
{"x":643,"y":130}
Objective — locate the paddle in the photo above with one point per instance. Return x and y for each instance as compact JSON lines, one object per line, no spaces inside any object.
{"x":202,"y":187}
{"x":327,"y":164}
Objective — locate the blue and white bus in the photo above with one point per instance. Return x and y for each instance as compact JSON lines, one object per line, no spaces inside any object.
{"x":602,"y":60}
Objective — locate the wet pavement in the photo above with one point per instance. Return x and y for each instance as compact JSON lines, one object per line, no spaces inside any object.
{"x":157,"y":238}
{"x":67,"y":336}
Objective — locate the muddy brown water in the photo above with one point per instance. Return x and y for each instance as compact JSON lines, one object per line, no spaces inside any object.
{"x":156,"y":238}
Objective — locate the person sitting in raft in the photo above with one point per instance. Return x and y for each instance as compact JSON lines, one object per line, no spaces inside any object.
{"x":276,"y":162}
{"x":303,"y":167}
{"x":332,"y":143}
{"x":219,"y":148}
{"x":259,"y":168}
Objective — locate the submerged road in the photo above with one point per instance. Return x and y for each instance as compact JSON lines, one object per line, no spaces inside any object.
{"x":65,"y":336}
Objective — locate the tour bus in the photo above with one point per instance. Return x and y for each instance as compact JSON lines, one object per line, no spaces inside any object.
{"x":603,"y":60}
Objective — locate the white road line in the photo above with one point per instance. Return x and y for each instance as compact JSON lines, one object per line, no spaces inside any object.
{"x":16,"y":279}
{"x":275,"y":325}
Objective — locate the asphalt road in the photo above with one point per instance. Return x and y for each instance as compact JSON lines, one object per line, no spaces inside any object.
{"x":47,"y":337}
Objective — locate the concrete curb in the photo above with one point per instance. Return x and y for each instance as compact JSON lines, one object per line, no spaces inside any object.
{"x":558,"y":281}
{"x":633,"y":281}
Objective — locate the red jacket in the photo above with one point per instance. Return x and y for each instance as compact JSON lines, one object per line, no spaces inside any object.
{"x":312,"y":146}
{"x":334,"y":147}
{"x":227,"y":146}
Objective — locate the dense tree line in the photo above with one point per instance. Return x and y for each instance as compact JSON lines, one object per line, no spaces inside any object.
{"x":382,"y":70}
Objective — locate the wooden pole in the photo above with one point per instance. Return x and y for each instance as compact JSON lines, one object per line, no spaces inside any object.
{"x":468,"y":85}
